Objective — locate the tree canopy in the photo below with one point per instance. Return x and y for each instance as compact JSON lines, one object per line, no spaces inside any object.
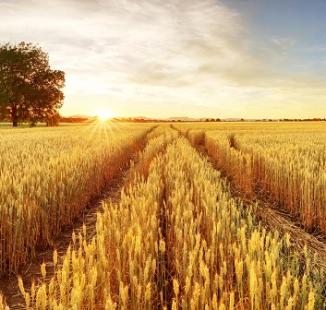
{"x":29,"y":89}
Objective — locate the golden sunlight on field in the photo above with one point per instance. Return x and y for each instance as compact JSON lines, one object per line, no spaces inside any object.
{"x":164,"y":216}
{"x":166,"y":155}
{"x":104,"y":114}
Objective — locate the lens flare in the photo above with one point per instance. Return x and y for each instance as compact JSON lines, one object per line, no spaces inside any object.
{"x":104,"y":114}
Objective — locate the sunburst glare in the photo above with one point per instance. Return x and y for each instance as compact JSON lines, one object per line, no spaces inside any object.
{"x":104,"y":114}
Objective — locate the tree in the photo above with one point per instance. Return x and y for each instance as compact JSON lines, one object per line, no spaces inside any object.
{"x":53,"y":119}
{"x":29,"y":89}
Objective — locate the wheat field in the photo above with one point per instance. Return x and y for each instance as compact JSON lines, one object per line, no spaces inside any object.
{"x":177,"y":237}
{"x":48,"y":176}
{"x":288,"y":161}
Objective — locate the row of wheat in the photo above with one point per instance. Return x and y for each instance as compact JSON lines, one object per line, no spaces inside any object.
{"x":3,"y":305}
{"x":288,"y":166}
{"x":177,"y":239}
{"x":292,"y":171}
{"x":48,"y":176}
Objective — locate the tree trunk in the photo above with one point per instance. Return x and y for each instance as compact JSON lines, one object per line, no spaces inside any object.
{"x":14,"y":117}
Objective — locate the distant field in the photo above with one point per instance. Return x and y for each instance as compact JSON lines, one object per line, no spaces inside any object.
{"x":6,"y":125}
{"x":24,"y":125}
{"x":204,"y":216}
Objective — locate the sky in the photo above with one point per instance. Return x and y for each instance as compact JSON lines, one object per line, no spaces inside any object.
{"x":195,"y":58}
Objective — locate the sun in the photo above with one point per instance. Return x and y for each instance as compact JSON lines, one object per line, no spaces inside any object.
{"x":104,"y":114}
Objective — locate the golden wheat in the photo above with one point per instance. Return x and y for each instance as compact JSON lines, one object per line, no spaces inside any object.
{"x":177,"y":239}
{"x":47,"y":177}
{"x":287,"y":161}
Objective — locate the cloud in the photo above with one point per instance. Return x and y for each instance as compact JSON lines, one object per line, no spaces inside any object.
{"x":174,"y":51}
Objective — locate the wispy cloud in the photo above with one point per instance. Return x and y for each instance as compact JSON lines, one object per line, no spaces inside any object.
{"x":129,"y":52}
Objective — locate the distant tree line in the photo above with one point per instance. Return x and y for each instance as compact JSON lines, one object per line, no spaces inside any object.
{"x":292,"y":120}
{"x":30,"y":91}
{"x":303,"y":120}
{"x":73,"y":119}
{"x":151,"y":120}
{"x":212,"y":120}
{"x":148,"y":120}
